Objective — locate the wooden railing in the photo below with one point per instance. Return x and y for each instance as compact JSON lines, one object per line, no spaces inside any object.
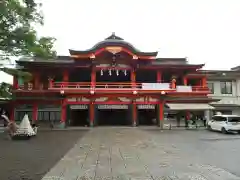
{"x":107,"y":85}
{"x":200,"y":89}
{"x":114,"y":85}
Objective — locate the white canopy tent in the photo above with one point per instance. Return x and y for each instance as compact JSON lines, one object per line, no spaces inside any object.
{"x":25,"y":127}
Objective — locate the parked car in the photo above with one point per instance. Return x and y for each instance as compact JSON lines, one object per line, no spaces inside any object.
{"x":225,"y":123}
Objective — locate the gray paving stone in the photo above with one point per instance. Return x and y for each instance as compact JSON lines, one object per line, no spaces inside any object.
{"x":132,"y":153}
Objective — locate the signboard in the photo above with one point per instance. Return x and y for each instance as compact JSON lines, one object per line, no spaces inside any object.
{"x":146,"y":106}
{"x":79,"y":106}
{"x":184,"y":88}
{"x":78,"y":99}
{"x":106,"y":106}
{"x":155,"y":86}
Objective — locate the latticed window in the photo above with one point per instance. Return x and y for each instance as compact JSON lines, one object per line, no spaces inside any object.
{"x":49,"y":115}
{"x":226,"y":87}
{"x":20,"y":114}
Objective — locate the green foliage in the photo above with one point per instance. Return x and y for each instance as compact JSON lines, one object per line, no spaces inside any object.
{"x":17,"y":34}
{"x":5,"y":90}
{"x":18,"y":73}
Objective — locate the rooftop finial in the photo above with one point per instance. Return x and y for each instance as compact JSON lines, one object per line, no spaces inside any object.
{"x":113,"y":35}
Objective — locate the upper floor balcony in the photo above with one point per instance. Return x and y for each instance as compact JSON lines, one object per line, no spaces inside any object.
{"x":116,"y":87}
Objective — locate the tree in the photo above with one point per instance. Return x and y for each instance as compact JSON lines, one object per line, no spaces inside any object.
{"x":5,"y":90}
{"x":17,"y":34}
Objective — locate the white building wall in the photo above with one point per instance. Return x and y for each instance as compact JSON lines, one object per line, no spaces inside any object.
{"x":232,"y":99}
{"x":238,"y":87}
{"x":236,"y":111}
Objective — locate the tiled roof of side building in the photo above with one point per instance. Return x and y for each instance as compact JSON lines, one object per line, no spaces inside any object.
{"x":219,"y":74}
{"x":236,"y":68}
{"x":218,"y":71}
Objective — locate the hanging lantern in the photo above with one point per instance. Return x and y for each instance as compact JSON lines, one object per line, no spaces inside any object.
{"x":117,"y":72}
{"x":30,"y":86}
{"x":110,"y":72}
{"x":134,"y":92}
{"x":101,"y":72}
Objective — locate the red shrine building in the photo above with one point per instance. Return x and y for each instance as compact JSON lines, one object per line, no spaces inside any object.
{"x":112,"y":83}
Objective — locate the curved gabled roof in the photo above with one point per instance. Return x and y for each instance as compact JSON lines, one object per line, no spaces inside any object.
{"x":113,"y":40}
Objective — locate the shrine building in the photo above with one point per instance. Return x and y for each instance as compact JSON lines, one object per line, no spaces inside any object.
{"x":112,"y":83}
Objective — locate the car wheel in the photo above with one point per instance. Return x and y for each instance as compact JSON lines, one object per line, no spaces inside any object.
{"x":209,"y":127}
{"x":224,"y":130}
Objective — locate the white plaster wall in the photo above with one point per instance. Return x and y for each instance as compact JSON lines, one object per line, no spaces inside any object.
{"x":217,"y":89}
{"x":233,"y":98}
{"x":236,"y":111}
{"x":238,"y":87}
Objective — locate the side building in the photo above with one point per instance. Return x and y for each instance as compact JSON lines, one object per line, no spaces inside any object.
{"x":224,"y":86}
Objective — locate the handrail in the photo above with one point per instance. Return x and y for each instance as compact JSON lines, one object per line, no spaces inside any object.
{"x":200,"y":88}
{"x":88,"y":83}
{"x":96,"y":85}
{"x":104,"y":82}
{"x":108,"y":85}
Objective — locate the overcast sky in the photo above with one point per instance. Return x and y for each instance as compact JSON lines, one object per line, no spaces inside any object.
{"x":205,"y":31}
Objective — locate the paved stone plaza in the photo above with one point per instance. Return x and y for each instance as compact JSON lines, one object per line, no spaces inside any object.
{"x":32,"y":159}
{"x":142,"y":154}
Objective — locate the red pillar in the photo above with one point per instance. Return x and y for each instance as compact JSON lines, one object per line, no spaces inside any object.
{"x":159,"y":76}
{"x":35,"y":112}
{"x":93,"y":77}
{"x":204,"y":82}
{"x":15,"y":82}
{"x":65,"y":77}
{"x":36,"y":81}
{"x":91,"y":114}
{"x":63,"y":112}
{"x":12,"y":112}
{"x":134,"y":113}
{"x":50,"y":82}
{"x":161,"y":114}
{"x":185,"y":81}
{"x":133,"y":78}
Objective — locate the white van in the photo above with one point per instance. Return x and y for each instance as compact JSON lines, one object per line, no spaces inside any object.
{"x":225,"y":123}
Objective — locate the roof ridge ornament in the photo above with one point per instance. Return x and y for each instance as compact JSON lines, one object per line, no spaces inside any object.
{"x":114,"y":37}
